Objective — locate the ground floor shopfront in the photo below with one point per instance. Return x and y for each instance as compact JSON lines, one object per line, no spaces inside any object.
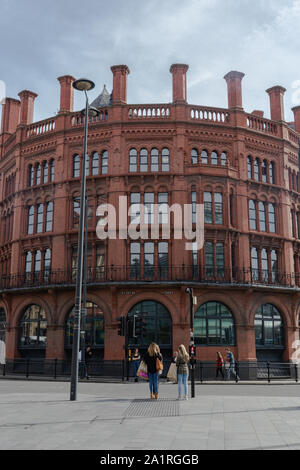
{"x":257,"y":324}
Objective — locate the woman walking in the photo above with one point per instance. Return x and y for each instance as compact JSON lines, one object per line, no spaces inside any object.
{"x":182,"y":361}
{"x":150,"y":357}
{"x":136,"y":363}
{"x":219,"y":365}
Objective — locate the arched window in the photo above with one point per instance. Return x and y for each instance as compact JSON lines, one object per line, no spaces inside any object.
{"x":76,"y":166}
{"x":154,"y":159}
{"x":30,"y":175}
{"x":249,"y":165}
{"x":132,"y":160}
{"x":52,"y":168}
{"x":37,"y":174}
{"x":262,"y":216}
{"x":95,"y":164}
{"x":28,"y":265}
{"x":33,"y":327}
{"x":47,"y":264}
{"x":165,"y":159}
{"x":269,"y":329}
{"x":37,"y":265}
{"x":194,"y":156}
{"x":158,"y":324}
{"x":104,"y":162}
{"x":94,"y":326}
{"x":271,"y":173}
{"x":45,"y":172}
{"x":264,"y":171}
{"x":272,"y":218}
{"x":39,"y":218}
{"x":204,"y":156}
{"x":223,"y":158}
{"x":256,"y":169}
{"x":214,"y":158}
{"x":252,"y":214}
{"x":143,"y":160}
{"x":214,"y":325}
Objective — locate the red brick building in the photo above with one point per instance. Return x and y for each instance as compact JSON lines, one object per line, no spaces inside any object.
{"x":242,"y":166}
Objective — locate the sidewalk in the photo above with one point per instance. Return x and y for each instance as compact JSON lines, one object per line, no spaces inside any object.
{"x":39,"y":415}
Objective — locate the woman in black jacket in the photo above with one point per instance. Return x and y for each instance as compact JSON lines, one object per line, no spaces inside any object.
{"x":151,"y":355}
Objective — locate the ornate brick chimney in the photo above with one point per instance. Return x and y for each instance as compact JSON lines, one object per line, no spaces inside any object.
{"x":178,"y":72}
{"x":296,"y":111}
{"x":27,"y":106}
{"x":276,"y":102}
{"x":234,"y":89}
{"x":119,"y":93}
{"x":10,"y":115}
{"x":66,"y":93}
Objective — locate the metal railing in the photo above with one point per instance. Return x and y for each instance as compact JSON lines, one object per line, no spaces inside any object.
{"x":161,"y":274}
{"x":262,"y":371}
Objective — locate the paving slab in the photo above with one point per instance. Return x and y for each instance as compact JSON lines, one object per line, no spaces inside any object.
{"x":38,"y":415}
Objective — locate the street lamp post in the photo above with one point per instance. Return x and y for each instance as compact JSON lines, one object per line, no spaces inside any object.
{"x":81,"y":85}
{"x":189,"y":291}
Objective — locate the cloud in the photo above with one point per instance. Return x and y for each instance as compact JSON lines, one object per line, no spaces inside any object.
{"x":40,"y":41}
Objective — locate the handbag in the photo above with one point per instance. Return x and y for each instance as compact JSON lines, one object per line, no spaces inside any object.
{"x":172,"y":372}
{"x":159,"y":365}
{"x":142,"y":371}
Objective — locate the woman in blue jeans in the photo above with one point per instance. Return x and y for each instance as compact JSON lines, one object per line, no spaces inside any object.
{"x":150,"y":359}
{"x":182,"y":361}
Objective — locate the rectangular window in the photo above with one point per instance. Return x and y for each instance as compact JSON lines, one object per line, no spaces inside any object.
{"x":30,"y":220}
{"x":104,"y":166}
{"x":39,"y":219}
{"x":254,"y":264}
{"x":47,"y":264}
{"x":149,"y":208}
{"x":165,"y":160}
{"x":272,"y":221}
{"x":220,"y":260}
{"x":133,"y":161}
{"x":143,"y":160}
{"x":163,"y":260}
{"x":218,"y":208}
{"x":209,"y":259}
{"x":74,"y":262}
{"x":135,"y":208}
{"x":135,"y":260}
{"x":76,"y":211}
{"x":208,"y":215}
{"x":163,"y":216}
{"x":148,"y":259}
{"x":45,"y":172}
{"x":194,"y":208}
{"x":252,"y":214}
{"x":49,"y":216}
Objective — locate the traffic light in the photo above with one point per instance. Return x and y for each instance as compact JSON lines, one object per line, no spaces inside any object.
{"x":139,"y":326}
{"x":121,"y":326}
{"x":192,"y":351}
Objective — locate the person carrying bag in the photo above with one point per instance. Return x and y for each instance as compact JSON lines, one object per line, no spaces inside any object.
{"x":154,"y":367}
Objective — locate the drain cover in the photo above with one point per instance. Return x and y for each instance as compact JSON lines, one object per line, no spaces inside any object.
{"x":152,"y":408}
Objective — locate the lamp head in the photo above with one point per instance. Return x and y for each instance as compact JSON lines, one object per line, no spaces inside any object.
{"x":83,"y":84}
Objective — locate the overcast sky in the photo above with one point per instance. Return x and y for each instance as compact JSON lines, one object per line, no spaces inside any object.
{"x":41,"y":40}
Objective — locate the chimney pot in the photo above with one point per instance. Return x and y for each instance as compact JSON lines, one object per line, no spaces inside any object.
{"x":234,"y":89}
{"x":276,"y":102}
{"x":296,"y":111}
{"x":119,"y":93}
{"x":10,"y":115}
{"x":179,"y":87}
{"x":27,"y":106}
{"x":66,"y":93}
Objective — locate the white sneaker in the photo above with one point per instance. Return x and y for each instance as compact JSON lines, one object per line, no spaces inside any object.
{"x":186,"y":397}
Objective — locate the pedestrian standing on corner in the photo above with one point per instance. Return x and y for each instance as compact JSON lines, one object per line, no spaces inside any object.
{"x":182,"y":361}
{"x":150,"y":359}
{"x":88,"y":357}
{"x":231,"y":368}
{"x":219,"y":365}
{"x":135,"y":363}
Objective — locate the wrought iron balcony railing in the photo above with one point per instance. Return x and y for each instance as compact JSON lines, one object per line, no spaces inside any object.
{"x":152,"y":274}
